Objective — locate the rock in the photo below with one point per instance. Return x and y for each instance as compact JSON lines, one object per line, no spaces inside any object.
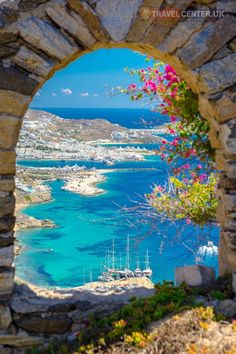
{"x":21,"y":341}
{"x":45,"y":323}
{"x":227,"y":136}
{"x":227,"y":308}
{"x":89,"y":17}
{"x":82,"y":305}
{"x":7,"y":162}
{"x":6,"y":238}
{"x":234,"y":282}
{"x":196,"y":275}
{"x":226,"y":6}
{"x":7,"y":37}
{"x":6,"y":256}
{"x":13,"y":103}
{"x":226,"y":74}
{"x":9,"y":127}
{"x":7,"y":204}
{"x":6,"y":282}
{"x":32,"y":62}
{"x":27,"y":5}
{"x":15,"y":80}
{"x":222,"y":53}
{"x":5,"y":317}
{"x":6,"y":50}
{"x":174,"y":41}
{"x":117,"y":16}
{"x":72,"y":23}
{"x":7,"y":183}
{"x":7,"y":223}
{"x":45,"y":37}
{"x":7,"y":16}
{"x":202,"y":46}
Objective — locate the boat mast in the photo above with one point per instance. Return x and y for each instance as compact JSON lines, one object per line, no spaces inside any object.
{"x":147,"y":263}
{"x":113,"y":254}
{"x":127,"y":254}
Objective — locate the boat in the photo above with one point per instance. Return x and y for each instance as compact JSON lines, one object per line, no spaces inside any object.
{"x":147,"y":272}
{"x":138,"y":273}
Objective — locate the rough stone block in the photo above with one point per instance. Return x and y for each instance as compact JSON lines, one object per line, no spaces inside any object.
{"x":72,"y":23}
{"x":13,"y":79}
{"x":89,"y":17}
{"x":5,"y":317}
{"x":174,"y":40}
{"x":217,"y":75}
{"x":196,"y":275}
{"x":46,"y":324}
{"x":227,"y":308}
{"x":45,"y":37}
{"x":6,"y":256}
{"x":234,"y":282}
{"x":202,"y":46}
{"x":7,"y":223}
{"x":227,"y":137}
{"x":6,"y":238}
{"x":9,"y":128}
{"x":7,"y":184}
{"x":13,"y":103}
{"x":117,"y":16}
{"x":226,"y":6}
{"x":7,"y":203}
{"x":32,"y":62}
{"x":21,"y":341}
{"x":6,"y":281}
{"x":7,"y":162}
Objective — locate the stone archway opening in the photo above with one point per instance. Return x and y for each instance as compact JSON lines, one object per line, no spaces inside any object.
{"x":40,"y":37}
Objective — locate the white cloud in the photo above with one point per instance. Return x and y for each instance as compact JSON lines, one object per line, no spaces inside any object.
{"x":84,"y":94}
{"x":66,"y":91}
{"x":54,"y":94}
{"x":95,"y":95}
{"x":38,"y":93}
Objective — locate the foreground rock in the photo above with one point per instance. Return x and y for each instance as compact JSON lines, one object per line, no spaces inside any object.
{"x":195,"y":275}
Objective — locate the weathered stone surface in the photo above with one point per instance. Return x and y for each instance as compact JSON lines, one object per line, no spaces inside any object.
{"x":225,"y":77}
{"x":7,"y":183}
{"x":203,"y":45}
{"x":46,"y":324}
{"x":6,"y":238}
{"x":229,"y":201}
{"x":32,"y":62}
{"x":227,"y":136}
{"x":45,"y":37}
{"x":117,"y":16}
{"x":6,"y":281}
{"x":7,"y":203}
{"x":213,"y":135}
{"x":5,"y":317}
{"x":21,"y":341}
{"x":227,"y":308}
{"x":6,"y":256}
{"x":89,"y":17}
{"x":7,"y":162}
{"x":13,"y":103}
{"x":222,"y":53}
{"x":7,"y":37}
{"x":27,"y":5}
{"x":7,"y":16}
{"x":174,"y":40}
{"x":72,"y":23}
{"x":158,"y":30}
{"x":9,"y":128}
{"x":221,"y":108}
{"x":196,"y":275}
{"x":143,"y":20}
{"x":6,"y":50}
{"x":234,"y":282}
{"x":13,"y":79}
{"x":226,"y":6}
{"x":7,"y":223}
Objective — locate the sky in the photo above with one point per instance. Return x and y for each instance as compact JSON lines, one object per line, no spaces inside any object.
{"x":88,"y":81}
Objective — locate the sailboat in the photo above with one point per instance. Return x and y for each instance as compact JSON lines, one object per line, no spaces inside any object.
{"x":128,"y":272}
{"x":147,"y":272}
{"x":138,"y":272}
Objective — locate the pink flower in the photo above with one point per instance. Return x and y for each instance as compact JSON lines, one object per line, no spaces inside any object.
{"x":169,"y":69}
{"x":132,"y":87}
{"x":159,"y":189}
{"x":172,"y":119}
{"x":186,"y":166}
{"x":188,"y":221}
{"x":164,"y":141}
{"x":202,"y":177}
{"x":199,"y":166}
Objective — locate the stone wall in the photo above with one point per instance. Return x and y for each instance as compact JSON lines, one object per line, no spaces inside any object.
{"x":39,"y":37}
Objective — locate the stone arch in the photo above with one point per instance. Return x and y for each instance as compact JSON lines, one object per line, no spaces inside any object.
{"x":39,"y":37}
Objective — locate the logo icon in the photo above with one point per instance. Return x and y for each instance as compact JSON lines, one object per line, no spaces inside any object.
{"x":145,"y":13}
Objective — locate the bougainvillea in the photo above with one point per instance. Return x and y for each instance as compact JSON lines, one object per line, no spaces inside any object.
{"x":191,"y":196}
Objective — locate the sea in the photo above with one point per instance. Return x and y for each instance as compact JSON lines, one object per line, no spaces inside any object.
{"x":74,"y":252}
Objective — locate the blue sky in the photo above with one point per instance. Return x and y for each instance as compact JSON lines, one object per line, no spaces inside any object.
{"x":87,"y":81}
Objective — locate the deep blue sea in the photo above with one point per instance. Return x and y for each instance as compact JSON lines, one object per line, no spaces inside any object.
{"x":129,"y":118}
{"x":87,"y":225}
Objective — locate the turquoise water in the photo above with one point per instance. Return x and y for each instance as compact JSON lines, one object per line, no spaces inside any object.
{"x":87,"y":225}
